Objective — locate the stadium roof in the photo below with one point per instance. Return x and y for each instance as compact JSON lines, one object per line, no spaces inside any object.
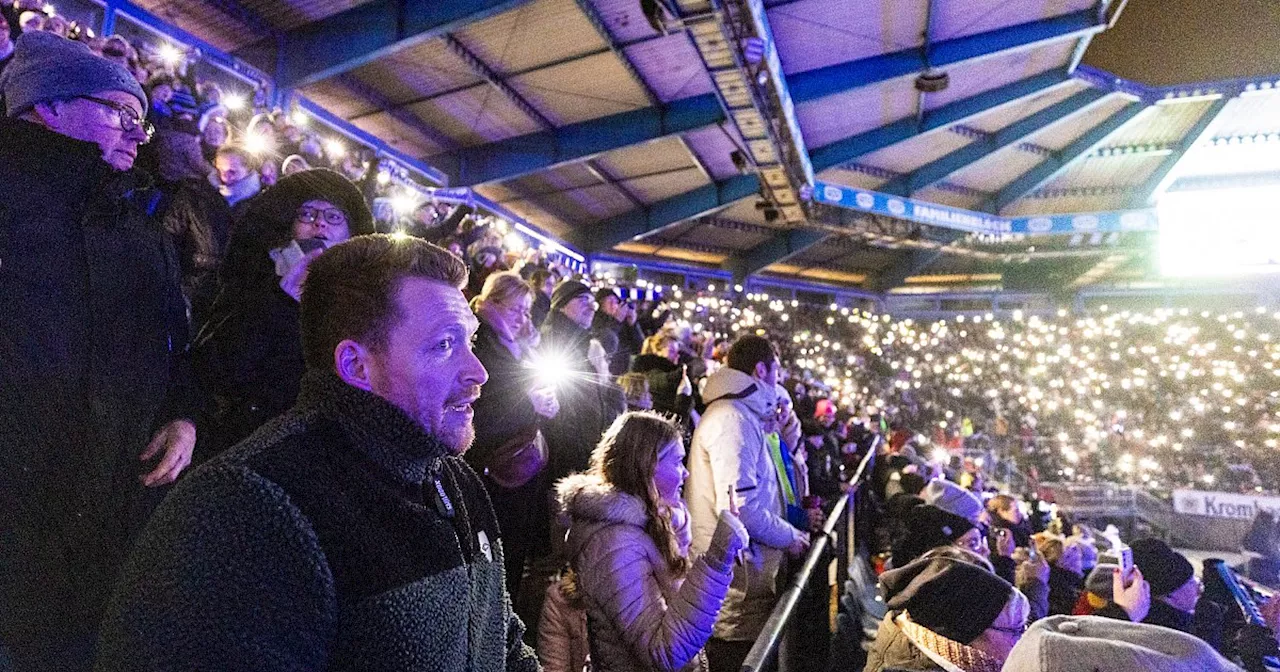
{"x":629,"y":134}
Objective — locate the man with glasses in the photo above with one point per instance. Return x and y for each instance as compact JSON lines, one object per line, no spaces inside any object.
{"x":249,"y":353}
{"x":93,"y":334}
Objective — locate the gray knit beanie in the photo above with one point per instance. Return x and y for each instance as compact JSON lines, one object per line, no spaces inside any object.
{"x":1092,"y":643}
{"x":46,"y":67}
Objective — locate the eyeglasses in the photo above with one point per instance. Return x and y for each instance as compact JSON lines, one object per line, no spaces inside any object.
{"x":331,"y":216}
{"x":1017,"y":632}
{"x":129,"y":119}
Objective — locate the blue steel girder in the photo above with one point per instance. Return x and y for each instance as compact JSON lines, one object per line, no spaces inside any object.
{"x":363,"y":34}
{"x":521,"y":155}
{"x":938,"y":170}
{"x":702,"y":201}
{"x":784,"y":245}
{"x":538,"y":151}
{"x":843,"y":151}
{"x":833,"y":79}
{"x":1163,"y":177}
{"x":1054,"y":165}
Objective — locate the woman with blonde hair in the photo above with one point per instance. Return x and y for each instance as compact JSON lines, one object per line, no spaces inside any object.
{"x":649,"y":605}
{"x":508,"y":415}
{"x":669,"y":384}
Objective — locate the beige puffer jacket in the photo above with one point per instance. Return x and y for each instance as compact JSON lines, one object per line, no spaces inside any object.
{"x":641,"y":617}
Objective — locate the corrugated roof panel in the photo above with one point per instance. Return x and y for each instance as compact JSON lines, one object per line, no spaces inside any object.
{"x":1233,"y":159}
{"x":420,"y":71}
{"x":475,"y":116}
{"x":996,"y":170}
{"x":623,"y":19}
{"x":653,"y":157}
{"x":852,"y":178}
{"x":949,"y":197}
{"x":333,"y":96}
{"x":847,"y":114}
{"x":203,"y":20}
{"x":401,"y":136}
{"x":294,"y":13}
{"x":968,"y":79}
{"x":534,"y":213}
{"x":599,"y":201}
{"x":1007,"y":115}
{"x":721,"y":237}
{"x":1067,"y":205}
{"x":713,"y":146}
{"x":533,"y":34}
{"x":957,"y":19}
{"x":1161,"y":124}
{"x":653,"y":188}
{"x":816,"y":33}
{"x":905,"y":157}
{"x":1250,"y":114}
{"x":671,"y":66}
{"x":1065,"y":132}
{"x":582,"y":89}
{"x":690,"y":255}
{"x":1107,"y":171}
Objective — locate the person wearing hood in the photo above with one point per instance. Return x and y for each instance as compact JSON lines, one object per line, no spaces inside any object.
{"x":1091,"y":643}
{"x":249,"y":354}
{"x":94,"y":377}
{"x":650,"y":604}
{"x":947,"y":611}
{"x":728,"y":462}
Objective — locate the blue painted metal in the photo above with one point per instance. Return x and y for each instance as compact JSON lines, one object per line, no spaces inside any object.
{"x":1054,"y":165}
{"x":1013,"y":134}
{"x":1151,"y":94}
{"x":969,"y":221}
{"x":848,"y":149}
{"x":365,"y":33}
{"x":525,"y":154}
{"x":755,"y":283}
{"x":636,"y":223}
{"x":1163,"y":177}
{"x":842,"y":77}
{"x":782,"y":246}
{"x":115,"y":9}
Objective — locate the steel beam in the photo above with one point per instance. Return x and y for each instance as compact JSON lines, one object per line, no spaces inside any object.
{"x":603,"y":236}
{"x":833,"y":79}
{"x":1164,"y":175}
{"x":937,"y":171}
{"x":525,"y":154}
{"x":363,"y":34}
{"x":843,"y":151}
{"x":779,"y":248}
{"x":1054,"y":165}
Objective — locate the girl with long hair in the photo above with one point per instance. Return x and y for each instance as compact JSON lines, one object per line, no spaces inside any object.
{"x":649,"y":605}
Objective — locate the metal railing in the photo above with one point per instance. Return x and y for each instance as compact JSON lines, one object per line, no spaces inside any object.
{"x":763,"y":654}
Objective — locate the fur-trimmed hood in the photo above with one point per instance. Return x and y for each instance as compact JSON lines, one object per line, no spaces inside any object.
{"x":588,"y":504}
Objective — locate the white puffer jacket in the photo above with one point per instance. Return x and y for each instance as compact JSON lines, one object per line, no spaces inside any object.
{"x":729,"y":451}
{"x":641,"y":617}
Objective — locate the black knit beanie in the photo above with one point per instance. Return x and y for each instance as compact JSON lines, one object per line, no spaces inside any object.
{"x":946,"y":594}
{"x":1164,"y":568}
{"x":318,"y":184}
{"x":566,"y":292}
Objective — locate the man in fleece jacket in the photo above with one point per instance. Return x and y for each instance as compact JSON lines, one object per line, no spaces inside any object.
{"x":347,"y":534}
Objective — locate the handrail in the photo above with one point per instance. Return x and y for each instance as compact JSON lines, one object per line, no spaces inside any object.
{"x":766,"y":645}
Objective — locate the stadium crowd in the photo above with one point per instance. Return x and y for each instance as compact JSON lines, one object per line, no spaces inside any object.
{"x":393,"y":454}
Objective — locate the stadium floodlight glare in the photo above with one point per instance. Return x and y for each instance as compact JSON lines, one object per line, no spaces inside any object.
{"x":515,"y":242}
{"x":1218,"y":232}
{"x":234,"y":102}
{"x":169,"y":54}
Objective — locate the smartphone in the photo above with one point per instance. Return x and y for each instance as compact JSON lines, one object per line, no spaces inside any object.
{"x":308,"y":245}
{"x":1126,"y":561}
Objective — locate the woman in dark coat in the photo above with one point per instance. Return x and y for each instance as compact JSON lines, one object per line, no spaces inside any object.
{"x":669,"y":383}
{"x":248,"y":356}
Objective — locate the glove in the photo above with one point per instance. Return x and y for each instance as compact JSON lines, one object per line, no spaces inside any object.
{"x":727,"y":541}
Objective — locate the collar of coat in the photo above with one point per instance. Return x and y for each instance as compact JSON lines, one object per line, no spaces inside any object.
{"x":380,"y":430}
{"x":79,"y":170}
{"x":587,"y":498}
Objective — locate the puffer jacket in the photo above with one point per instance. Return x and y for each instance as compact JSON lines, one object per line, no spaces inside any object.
{"x":728,"y":450}
{"x":640,"y":616}
{"x":562,"y":632}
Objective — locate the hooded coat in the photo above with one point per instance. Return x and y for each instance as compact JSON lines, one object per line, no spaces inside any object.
{"x":93,"y":337}
{"x":728,"y":451}
{"x":340,"y":537}
{"x":248,"y":356}
{"x":641,"y":616}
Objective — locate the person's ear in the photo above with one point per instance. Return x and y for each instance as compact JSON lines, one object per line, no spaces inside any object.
{"x":353,"y":364}
{"x":48,"y":113}
{"x":762,"y":370}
